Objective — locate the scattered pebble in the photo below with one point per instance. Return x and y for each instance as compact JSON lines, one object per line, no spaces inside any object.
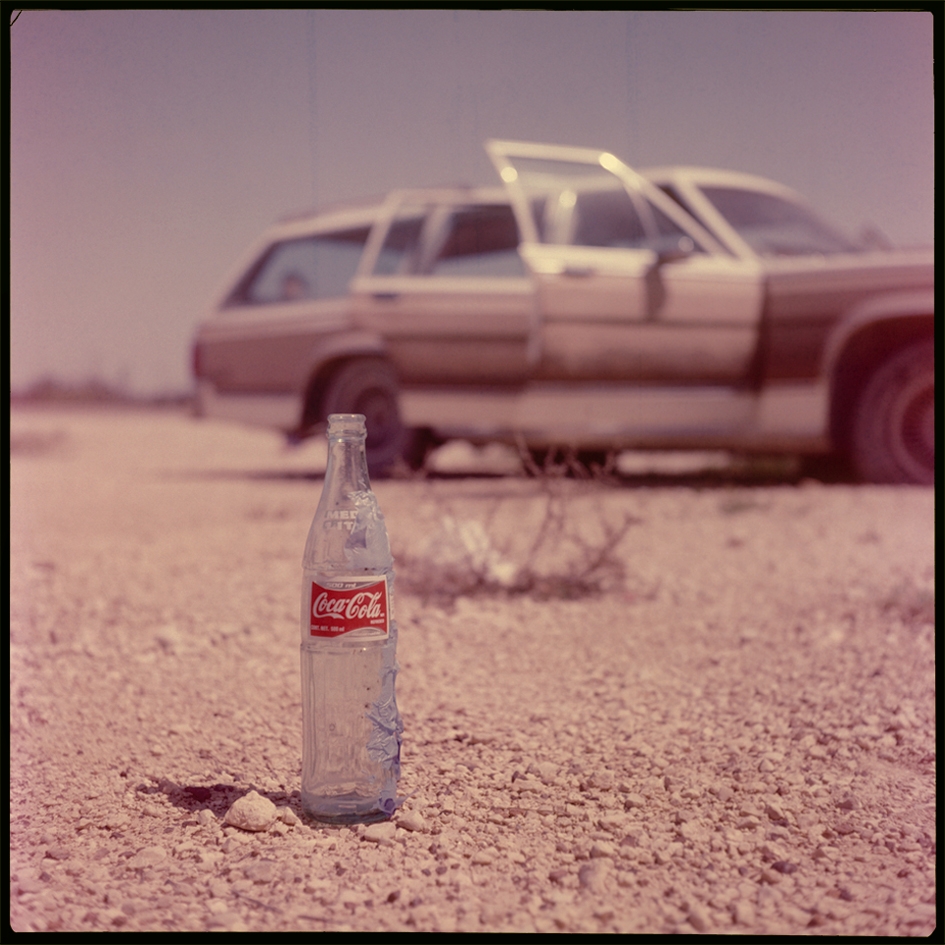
{"x":593,"y":875}
{"x":380,"y":833}
{"x":251,"y":812}
{"x":149,"y":856}
{"x":697,"y":919}
{"x":411,"y":820}
{"x":744,"y":912}
{"x":602,"y":848}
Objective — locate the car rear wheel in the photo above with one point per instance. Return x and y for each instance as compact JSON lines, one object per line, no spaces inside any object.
{"x":893,"y":436}
{"x":369,"y":386}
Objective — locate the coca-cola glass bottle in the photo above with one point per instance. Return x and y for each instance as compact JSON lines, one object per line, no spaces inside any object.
{"x":351,"y":728}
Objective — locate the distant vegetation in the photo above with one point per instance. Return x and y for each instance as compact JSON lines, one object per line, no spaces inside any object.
{"x":50,"y":390}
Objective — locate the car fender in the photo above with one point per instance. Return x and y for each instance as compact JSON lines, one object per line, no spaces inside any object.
{"x":858,"y":344}
{"x":886,"y":307}
{"x":329,"y":350}
{"x":353,"y":343}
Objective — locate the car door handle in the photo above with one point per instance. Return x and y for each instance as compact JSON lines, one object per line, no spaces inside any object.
{"x":580,"y":271}
{"x":386,"y":296}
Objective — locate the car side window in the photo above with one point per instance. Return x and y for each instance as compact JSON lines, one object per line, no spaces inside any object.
{"x":670,"y":235}
{"x":604,"y":218}
{"x":313,"y":267}
{"x":400,"y":251}
{"x":610,"y":218}
{"x":480,"y":241}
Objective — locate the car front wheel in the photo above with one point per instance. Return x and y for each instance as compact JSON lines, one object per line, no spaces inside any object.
{"x":369,"y":386}
{"x":893,"y":436}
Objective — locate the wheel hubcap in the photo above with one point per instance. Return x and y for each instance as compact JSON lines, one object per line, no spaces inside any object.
{"x":913,"y":429}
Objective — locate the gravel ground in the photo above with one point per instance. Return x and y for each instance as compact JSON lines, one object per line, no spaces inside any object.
{"x":735,"y":732}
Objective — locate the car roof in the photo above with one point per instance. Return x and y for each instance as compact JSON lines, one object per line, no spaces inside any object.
{"x":363,"y":212}
{"x":714,"y":177}
{"x":352,"y":214}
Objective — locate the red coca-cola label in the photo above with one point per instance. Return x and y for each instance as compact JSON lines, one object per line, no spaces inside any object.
{"x":349,"y":606}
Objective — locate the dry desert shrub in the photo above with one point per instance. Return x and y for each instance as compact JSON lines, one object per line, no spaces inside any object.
{"x":557,"y":540}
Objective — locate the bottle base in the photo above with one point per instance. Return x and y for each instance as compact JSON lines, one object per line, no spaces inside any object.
{"x":345,"y":809}
{"x":341,"y":820}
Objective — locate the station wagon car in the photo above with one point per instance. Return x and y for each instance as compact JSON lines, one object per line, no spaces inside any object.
{"x":582,"y":305}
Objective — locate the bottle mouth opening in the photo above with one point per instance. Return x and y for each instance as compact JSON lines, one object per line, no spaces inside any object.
{"x":340,"y":424}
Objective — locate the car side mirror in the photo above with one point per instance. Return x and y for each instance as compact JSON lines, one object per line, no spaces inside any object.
{"x":682,"y":250}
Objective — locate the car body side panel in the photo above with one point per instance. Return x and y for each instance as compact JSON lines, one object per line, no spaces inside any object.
{"x":651,"y":353}
{"x":267,"y":348}
{"x":619,"y":416}
{"x":804,"y":306}
{"x":694,"y":320}
{"x":450,"y":330}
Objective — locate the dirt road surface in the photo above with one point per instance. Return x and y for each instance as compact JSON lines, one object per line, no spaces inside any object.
{"x":641,"y":706}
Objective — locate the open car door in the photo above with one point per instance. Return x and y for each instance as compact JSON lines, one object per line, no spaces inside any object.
{"x":629,"y":286}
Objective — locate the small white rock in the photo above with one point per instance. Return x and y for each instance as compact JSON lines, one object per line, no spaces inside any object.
{"x":251,"y":812}
{"x":593,"y":875}
{"x":546,"y":771}
{"x":744,"y":912}
{"x":149,"y":856}
{"x":602,"y":848}
{"x":697,"y":919}
{"x":411,"y":820}
{"x":380,"y":833}
{"x":601,"y":779}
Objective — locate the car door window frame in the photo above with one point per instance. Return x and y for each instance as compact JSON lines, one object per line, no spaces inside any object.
{"x":644,"y":195}
{"x":438,"y":208}
{"x":450,"y":220}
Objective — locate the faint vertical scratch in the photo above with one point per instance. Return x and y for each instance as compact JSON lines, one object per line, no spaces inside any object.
{"x":310,"y":59}
{"x":632,"y":122}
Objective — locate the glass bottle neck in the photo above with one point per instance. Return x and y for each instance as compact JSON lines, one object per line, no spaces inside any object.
{"x":347,"y":470}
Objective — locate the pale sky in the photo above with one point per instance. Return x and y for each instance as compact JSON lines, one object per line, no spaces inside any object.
{"x":149,"y":148}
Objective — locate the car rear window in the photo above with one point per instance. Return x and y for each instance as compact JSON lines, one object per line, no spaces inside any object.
{"x":312,"y":267}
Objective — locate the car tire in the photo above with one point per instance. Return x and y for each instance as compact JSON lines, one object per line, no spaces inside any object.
{"x":893,"y":437}
{"x":369,"y":386}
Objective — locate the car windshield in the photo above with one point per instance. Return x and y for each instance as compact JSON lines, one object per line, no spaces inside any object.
{"x":773,"y":226}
